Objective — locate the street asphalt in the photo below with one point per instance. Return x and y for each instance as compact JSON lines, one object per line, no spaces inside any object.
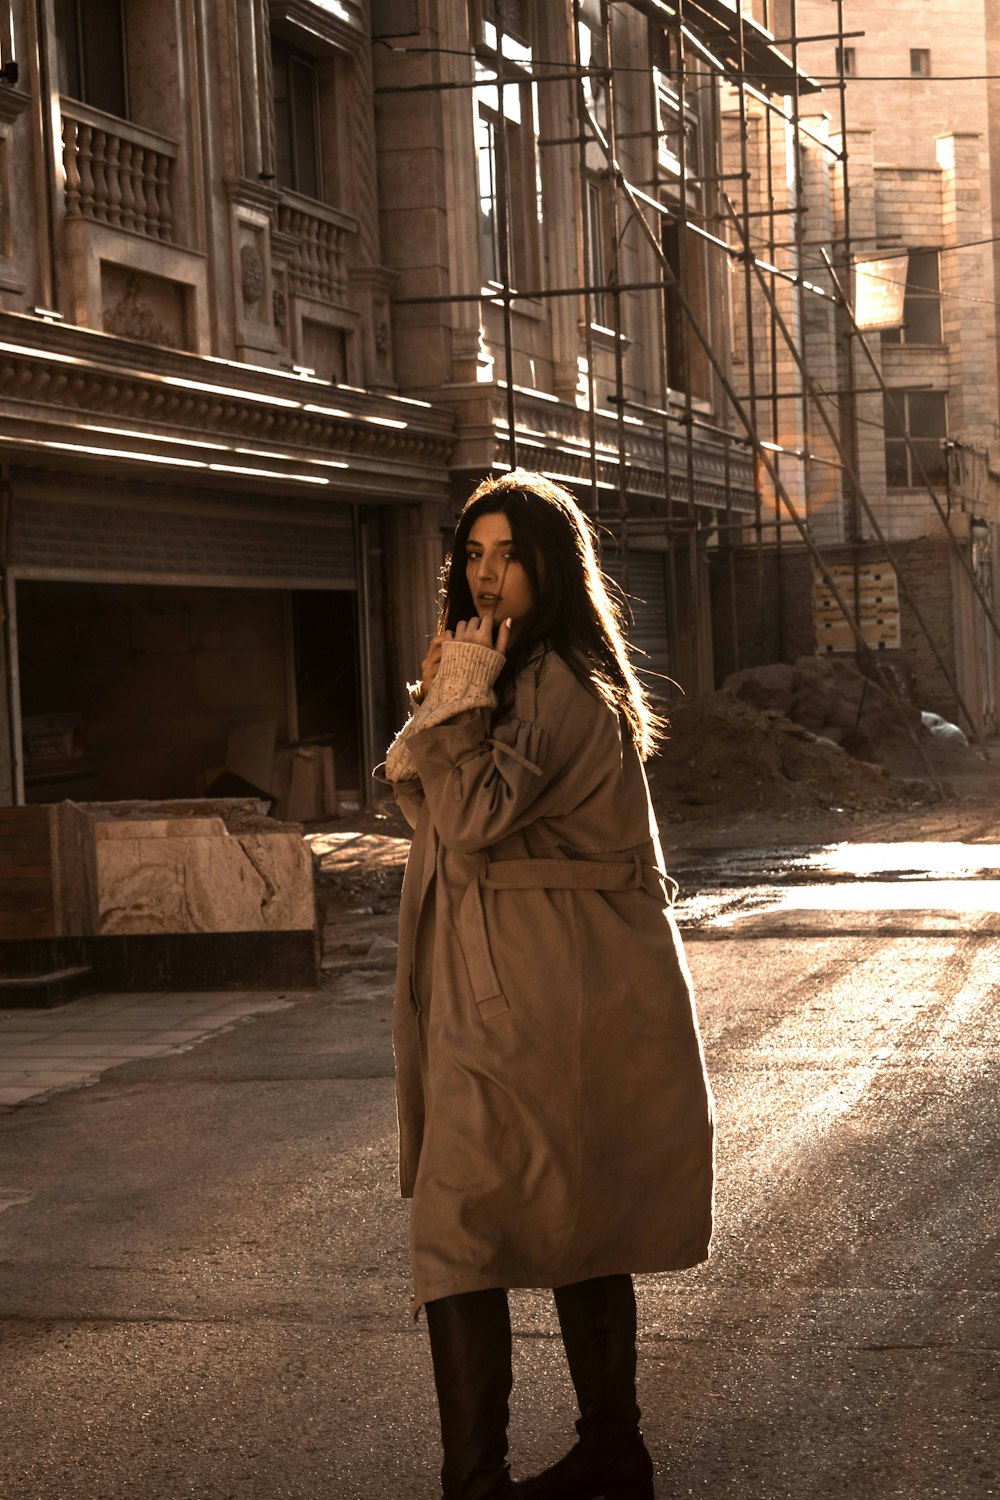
{"x":204,"y":1274}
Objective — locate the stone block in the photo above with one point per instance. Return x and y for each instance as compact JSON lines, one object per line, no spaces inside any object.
{"x":186,"y":882}
{"x":153,"y":828}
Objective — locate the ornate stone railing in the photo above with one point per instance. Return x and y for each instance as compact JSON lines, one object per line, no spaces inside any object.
{"x":320,"y":237}
{"x":117,"y":173}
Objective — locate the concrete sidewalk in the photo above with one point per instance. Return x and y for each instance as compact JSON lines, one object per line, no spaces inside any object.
{"x":71,"y":1045}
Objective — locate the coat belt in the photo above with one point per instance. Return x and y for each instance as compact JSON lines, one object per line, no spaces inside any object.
{"x":541,"y":874}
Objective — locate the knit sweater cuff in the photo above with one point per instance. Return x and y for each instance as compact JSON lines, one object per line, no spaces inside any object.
{"x":466,"y":675}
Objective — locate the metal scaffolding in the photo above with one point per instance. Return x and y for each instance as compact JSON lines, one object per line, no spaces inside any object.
{"x":731,"y":216}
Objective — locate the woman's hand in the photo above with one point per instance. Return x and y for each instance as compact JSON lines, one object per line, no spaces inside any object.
{"x":479,"y":631}
{"x":431,"y":662}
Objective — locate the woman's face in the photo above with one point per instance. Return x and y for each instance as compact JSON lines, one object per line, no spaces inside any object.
{"x":497,"y":580}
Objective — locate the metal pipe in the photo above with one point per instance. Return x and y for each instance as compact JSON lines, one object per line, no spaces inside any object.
{"x":503,"y":238}
{"x":580,"y":108}
{"x":616,"y":233}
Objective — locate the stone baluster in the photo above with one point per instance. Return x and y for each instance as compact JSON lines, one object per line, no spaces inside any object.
{"x":139,"y":189}
{"x":151,"y":188}
{"x":86,"y":172}
{"x":164,"y":181}
{"x":296,"y":227}
{"x":324,"y":267}
{"x":315,"y":277}
{"x":98,"y":150}
{"x":72,"y":164}
{"x":112,"y":173}
{"x":128,"y":193}
{"x":339,"y":286}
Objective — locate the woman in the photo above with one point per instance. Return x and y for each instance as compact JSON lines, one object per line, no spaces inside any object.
{"x":555,"y":1121}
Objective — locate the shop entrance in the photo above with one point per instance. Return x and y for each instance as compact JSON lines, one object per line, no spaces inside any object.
{"x":134,"y":690}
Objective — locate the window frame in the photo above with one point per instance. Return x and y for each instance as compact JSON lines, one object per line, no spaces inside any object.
{"x":84,"y":92}
{"x":505,"y":98}
{"x":296,"y":58}
{"x":597,"y":229}
{"x":895,"y":435}
{"x":916,"y":296}
{"x":684,"y":250}
{"x":846,"y":62}
{"x":918,"y":55}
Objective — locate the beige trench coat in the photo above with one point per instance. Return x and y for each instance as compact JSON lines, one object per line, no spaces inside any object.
{"x":555,"y":1122}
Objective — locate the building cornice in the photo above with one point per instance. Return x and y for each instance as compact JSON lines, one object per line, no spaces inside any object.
{"x":554,"y":436}
{"x":59,"y":386}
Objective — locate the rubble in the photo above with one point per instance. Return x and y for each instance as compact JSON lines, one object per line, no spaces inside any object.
{"x":831,"y":698}
{"x":725,"y":755}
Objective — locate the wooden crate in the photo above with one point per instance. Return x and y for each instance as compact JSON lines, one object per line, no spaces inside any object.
{"x":27,"y":900}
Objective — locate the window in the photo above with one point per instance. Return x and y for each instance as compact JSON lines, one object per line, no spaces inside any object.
{"x":596,"y":189}
{"x":846,"y":62}
{"x":506,"y":138}
{"x":921,"y":302}
{"x":296,"y":120}
{"x":688,"y":366}
{"x":922,"y":415}
{"x":90,"y":42}
{"x":681,"y":130}
{"x":920,"y":62}
{"x":487,"y":149}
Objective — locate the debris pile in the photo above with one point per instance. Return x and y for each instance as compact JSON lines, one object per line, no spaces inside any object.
{"x":829,"y":697}
{"x":724,"y":755}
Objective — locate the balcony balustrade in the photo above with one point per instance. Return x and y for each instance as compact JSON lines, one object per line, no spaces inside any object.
{"x":321,"y":235}
{"x":118,"y":173}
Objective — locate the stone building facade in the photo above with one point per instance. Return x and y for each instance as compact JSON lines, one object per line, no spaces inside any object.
{"x":204,"y":445}
{"x":276,"y":278}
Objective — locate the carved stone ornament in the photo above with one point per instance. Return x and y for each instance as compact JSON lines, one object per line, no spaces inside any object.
{"x":280,"y":302}
{"x":131,"y":317}
{"x":251,"y":275}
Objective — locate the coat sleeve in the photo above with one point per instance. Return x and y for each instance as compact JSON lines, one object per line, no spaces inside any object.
{"x":464,"y":681}
{"x":483,"y":782}
{"x":409,"y":794}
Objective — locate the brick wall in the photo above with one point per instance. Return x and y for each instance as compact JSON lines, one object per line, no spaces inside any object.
{"x":763,"y":634}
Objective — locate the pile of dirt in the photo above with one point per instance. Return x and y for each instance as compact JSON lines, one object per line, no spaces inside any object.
{"x":725,"y":756}
{"x":831,"y":698}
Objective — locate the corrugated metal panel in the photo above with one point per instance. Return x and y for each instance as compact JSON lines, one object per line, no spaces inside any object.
{"x":647,"y":591}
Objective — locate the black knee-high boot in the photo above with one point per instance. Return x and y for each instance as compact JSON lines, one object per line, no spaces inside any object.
{"x":471,"y":1351}
{"x":597,"y":1319}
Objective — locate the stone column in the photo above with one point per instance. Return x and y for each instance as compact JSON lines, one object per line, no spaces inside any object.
{"x":469,"y":359}
{"x":248,"y":20}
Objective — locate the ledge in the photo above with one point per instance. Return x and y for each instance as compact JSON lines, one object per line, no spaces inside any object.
{"x":60,"y":384}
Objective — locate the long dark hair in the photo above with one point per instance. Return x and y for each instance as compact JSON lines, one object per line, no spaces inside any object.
{"x":576,"y":612}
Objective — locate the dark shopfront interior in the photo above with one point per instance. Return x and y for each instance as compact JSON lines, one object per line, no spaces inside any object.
{"x":133,"y":690}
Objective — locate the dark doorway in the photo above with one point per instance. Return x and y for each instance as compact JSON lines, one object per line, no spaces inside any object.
{"x":131,"y":690}
{"x":326,"y":677}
